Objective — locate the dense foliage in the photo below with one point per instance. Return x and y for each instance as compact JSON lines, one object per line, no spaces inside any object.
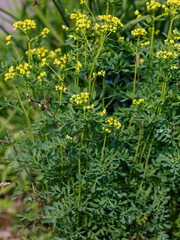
{"x":101,"y":143}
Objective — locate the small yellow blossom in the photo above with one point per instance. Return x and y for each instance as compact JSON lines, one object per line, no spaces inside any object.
{"x":78,"y":66}
{"x":65,"y":27}
{"x":166,"y":55}
{"x":10,"y":75}
{"x":8,"y":39}
{"x":152,"y":5}
{"x":145,"y":44}
{"x":68,"y":137}
{"x":174,"y":67}
{"x":142,"y":61}
{"x":141,"y":100}
{"x":106,"y":130}
{"x":80,"y":98}
{"x":45,"y":32}
{"x":138,"y":32}
{"x":113,"y":122}
{"x":102,"y":113}
{"x":25,"y":25}
{"x":42,"y":74}
{"x":58,"y":87}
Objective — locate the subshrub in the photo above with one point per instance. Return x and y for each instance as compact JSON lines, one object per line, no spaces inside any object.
{"x":101,"y":143}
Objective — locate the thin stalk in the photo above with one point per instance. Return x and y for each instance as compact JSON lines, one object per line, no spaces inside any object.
{"x":103,"y":100}
{"x":77,"y":58}
{"x":102,"y":154}
{"x":170,"y":28}
{"x":62,"y":83}
{"x":26,"y":114}
{"x":85,"y":63}
{"x":92,"y":67}
{"x":139,"y":140}
{"x":142,"y":153}
{"x":135,"y":71}
{"x":79,"y":171}
{"x":146,"y":164}
{"x":54,"y":71}
{"x":152,"y":38}
{"x":89,"y":10}
{"x":29,"y":54}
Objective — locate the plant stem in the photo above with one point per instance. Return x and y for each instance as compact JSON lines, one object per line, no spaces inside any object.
{"x":146,"y":164}
{"x":139,"y":140}
{"x":77,"y":81}
{"x":135,"y":71}
{"x":26,"y":114}
{"x":152,"y":38}
{"x":103,"y":100}
{"x":92,"y":67}
{"x":102,"y":154}
{"x":170,"y":28}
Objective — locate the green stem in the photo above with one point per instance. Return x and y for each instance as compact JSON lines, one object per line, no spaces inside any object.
{"x":103,"y":100}
{"x":102,"y":154}
{"x":139,"y":140}
{"x":170,"y":28}
{"x":26,"y":114}
{"x":135,"y":71}
{"x":77,"y":58}
{"x":29,"y":53}
{"x":152,"y":38}
{"x":92,"y":67}
{"x":146,"y":164}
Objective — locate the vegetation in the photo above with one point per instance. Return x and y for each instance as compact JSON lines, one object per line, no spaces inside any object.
{"x":97,"y":154}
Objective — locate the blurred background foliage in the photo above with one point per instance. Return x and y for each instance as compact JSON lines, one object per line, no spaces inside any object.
{"x":51,"y":14}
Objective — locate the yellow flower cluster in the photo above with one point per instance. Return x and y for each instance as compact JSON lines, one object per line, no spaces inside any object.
{"x":83,"y":2}
{"x":24,"y":25}
{"x":152,"y":5}
{"x":107,"y":23}
{"x":82,"y":21}
{"x":174,"y":67}
{"x":99,"y":73}
{"x":78,"y":66}
{"x":73,"y":37}
{"x":24,"y":69}
{"x":142,"y":61}
{"x":175,"y":3}
{"x":45,"y":32}
{"x":138,"y":32}
{"x":58,"y":87}
{"x":43,"y":62}
{"x":62,"y":61}
{"x":145,"y":44}
{"x":113,"y":122}
{"x":80,"y":98}
{"x":141,"y":100}
{"x":121,"y":39}
{"x":177,"y":35}
{"x":177,"y":46}
{"x":10,"y":75}
{"x":65,"y":27}
{"x":68,"y":137}
{"x":8,"y":39}
{"x":106,"y":130}
{"x":43,"y":74}
{"x":88,"y":107}
{"x":137,"y":13}
{"x":102,"y":113}
{"x":41,"y":52}
{"x":166,"y":55}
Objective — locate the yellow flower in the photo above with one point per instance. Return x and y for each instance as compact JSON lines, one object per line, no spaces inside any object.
{"x":68,"y":137}
{"x":24,"y":25}
{"x":138,"y":32}
{"x":45,"y":32}
{"x":152,"y":5}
